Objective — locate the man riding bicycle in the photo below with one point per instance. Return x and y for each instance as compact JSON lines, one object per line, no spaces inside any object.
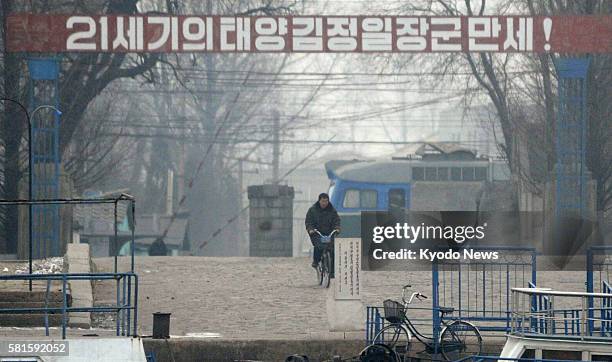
{"x":322,"y":216}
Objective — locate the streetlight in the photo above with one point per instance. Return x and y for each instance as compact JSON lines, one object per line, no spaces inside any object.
{"x":30,"y":169}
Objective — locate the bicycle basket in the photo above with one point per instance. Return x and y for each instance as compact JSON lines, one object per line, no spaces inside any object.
{"x":394,"y":311}
{"x":326,"y":239}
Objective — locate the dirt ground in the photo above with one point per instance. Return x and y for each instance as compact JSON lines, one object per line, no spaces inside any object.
{"x":263,"y":297}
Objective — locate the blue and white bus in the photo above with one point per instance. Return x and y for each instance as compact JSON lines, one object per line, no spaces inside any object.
{"x":438,"y":178}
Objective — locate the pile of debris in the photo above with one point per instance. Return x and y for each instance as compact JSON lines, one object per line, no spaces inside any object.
{"x":44,"y":266}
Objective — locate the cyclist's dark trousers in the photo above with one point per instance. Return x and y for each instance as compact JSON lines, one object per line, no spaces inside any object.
{"x":318,"y":250}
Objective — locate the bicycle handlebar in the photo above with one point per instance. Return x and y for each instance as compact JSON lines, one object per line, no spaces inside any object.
{"x":325,"y":236}
{"x":326,"y":239}
{"x":417,"y":295}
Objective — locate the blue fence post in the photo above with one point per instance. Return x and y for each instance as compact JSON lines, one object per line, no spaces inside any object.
{"x":367,"y":324}
{"x":129,"y":305}
{"x":47,"y":306}
{"x":606,"y":312}
{"x":64,"y":306}
{"x":435,"y":306}
{"x":44,"y":221}
{"x":589,"y":285}
{"x":534,"y":308}
{"x":508,"y":296}
{"x":123,"y":306}
{"x":484,"y":290}
{"x":459,"y":288}
{"x":533,"y":284}
{"x":135,"y":305}
{"x":118,"y":317}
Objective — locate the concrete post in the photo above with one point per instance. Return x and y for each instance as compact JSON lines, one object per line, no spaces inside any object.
{"x":271,"y":220}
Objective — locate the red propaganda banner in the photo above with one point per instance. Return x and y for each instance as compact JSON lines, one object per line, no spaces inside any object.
{"x":306,"y":34}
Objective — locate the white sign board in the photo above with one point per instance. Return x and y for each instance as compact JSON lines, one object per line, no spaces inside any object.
{"x":347,"y":263}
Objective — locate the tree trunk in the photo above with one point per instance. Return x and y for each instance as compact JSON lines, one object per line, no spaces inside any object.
{"x":12,"y":125}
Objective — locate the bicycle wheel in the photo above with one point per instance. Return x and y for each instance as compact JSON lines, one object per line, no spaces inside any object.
{"x":460,"y":340}
{"x":326,"y":269}
{"x":319,"y":270}
{"x":378,"y":352}
{"x":397,"y":337}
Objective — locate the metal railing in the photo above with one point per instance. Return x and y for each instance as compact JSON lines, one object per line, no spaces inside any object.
{"x":126,"y":307}
{"x":479,"y":291}
{"x":88,"y":201}
{"x":375,"y":321}
{"x":598,"y":271}
{"x":535,"y":312}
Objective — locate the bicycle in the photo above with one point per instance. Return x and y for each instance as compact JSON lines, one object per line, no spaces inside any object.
{"x":458,"y":339}
{"x":324,"y":268}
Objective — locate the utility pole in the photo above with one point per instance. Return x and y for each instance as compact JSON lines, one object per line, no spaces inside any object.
{"x":180,"y":190}
{"x":353,"y":126}
{"x":276,"y":146}
{"x":404,"y":119}
{"x":243,"y":246}
{"x":170,"y":193}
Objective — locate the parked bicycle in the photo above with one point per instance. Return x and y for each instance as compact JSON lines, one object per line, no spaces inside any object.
{"x":458,"y":339}
{"x":324,"y":268}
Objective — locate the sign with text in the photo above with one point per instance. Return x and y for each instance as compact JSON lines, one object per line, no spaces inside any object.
{"x":414,"y":240}
{"x":347,"y":265}
{"x":307,"y":34}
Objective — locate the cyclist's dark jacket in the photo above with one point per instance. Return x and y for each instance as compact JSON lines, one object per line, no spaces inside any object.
{"x":325,"y":220}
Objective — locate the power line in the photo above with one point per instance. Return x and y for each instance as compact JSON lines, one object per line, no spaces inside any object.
{"x":266,"y":141}
{"x":236,"y":216}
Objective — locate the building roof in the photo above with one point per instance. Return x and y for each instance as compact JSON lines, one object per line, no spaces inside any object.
{"x":148,"y":228}
{"x":99,"y":218}
{"x":442,"y":147}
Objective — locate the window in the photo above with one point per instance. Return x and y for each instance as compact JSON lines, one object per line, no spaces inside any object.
{"x":481,"y":174}
{"x":443,"y":174}
{"x":559,"y":355}
{"x":431,"y":174}
{"x":397,"y":198}
{"x":418,"y":174}
{"x":456,"y":174}
{"x":365,"y":199}
{"x":369,"y":199}
{"x":351,"y":199}
{"x":468,"y":173}
{"x":332,"y":187}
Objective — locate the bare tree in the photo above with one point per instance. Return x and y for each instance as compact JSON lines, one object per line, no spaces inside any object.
{"x":93,"y":158}
{"x":522,"y":89}
{"x":82,"y":78}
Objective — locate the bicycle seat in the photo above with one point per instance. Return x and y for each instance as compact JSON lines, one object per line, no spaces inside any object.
{"x":446,"y":310}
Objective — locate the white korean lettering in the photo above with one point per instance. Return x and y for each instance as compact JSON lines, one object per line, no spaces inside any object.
{"x":445,"y":35}
{"x":269,"y":34}
{"x":162,"y":39}
{"x":342,"y":34}
{"x":486,"y":28}
{"x":416,"y":31}
{"x":376,"y":34}
{"x":307,"y":34}
{"x":72,"y":43}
